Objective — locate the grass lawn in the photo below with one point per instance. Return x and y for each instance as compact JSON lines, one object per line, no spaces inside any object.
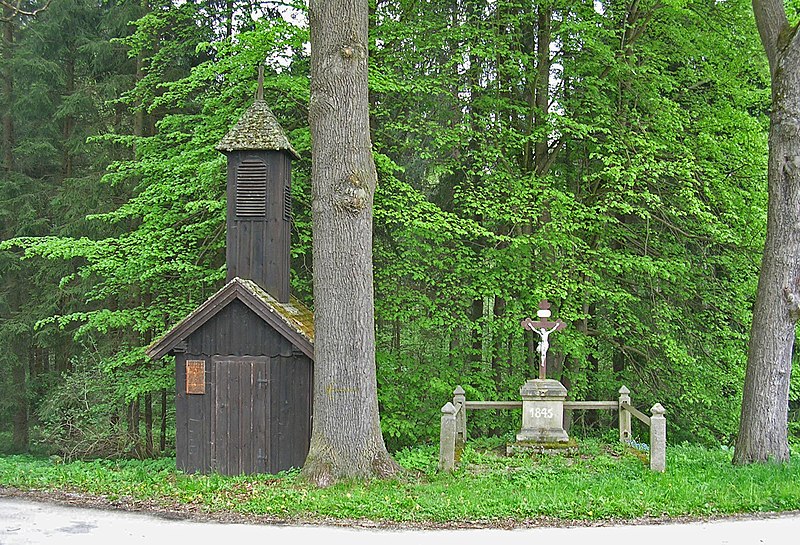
{"x":598,"y":482}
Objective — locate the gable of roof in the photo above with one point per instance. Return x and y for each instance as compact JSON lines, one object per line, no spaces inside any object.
{"x":257,"y":129}
{"x":293,"y":320}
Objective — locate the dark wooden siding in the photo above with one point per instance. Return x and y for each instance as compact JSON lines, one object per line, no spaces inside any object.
{"x":193,"y":419}
{"x":240,"y":432}
{"x":291,"y":409}
{"x":255,"y":415}
{"x":258,"y":247}
{"x":237,"y":330}
{"x":181,"y":415}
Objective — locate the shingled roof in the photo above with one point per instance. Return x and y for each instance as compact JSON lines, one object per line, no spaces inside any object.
{"x":293,"y":320}
{"x":257,"y":129}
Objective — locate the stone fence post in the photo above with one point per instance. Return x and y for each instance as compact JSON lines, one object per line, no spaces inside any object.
{"x":447,"y":438}
{"x":459,"y":399}
{"x":624,"y":416}
{"x":658,"y":439}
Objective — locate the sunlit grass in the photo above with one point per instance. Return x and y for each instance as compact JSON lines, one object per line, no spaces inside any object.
{"x":599,"y":481}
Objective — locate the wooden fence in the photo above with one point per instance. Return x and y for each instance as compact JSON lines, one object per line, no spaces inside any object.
{"x":453,"y":432}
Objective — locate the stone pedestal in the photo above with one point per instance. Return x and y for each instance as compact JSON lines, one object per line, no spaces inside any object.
{"x":543,"y":412}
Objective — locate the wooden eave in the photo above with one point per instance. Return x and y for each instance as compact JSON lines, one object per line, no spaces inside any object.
{"x":293,"y":320}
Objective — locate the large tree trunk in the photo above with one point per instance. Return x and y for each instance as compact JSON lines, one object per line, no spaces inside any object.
{"x":763,"y":428}
{"x":346,"y":438}
{"x":542,"y":90}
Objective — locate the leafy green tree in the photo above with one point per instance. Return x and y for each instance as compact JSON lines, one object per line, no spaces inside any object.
{"x":637,"y":221}
{"x":64,"y":61}
{"x":763,"y":428}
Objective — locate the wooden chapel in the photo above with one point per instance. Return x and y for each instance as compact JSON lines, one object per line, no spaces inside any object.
{"x":244,"y":359}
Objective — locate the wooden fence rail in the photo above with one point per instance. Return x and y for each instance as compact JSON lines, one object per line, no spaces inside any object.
{"x":453,"y":433}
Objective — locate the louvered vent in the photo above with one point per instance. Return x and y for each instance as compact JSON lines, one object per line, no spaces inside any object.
{"x":251,"y":189}
{"x":287,"y":203}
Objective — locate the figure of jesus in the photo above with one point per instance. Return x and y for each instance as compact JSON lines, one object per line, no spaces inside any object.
{"x":544,"y":345}
{"x":543,"y":327}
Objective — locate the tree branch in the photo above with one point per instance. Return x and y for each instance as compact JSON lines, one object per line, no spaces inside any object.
{"x":661,"y":219}
{"x":12,"y":10}
{"x":552,"y":153}
{"x":624,"y":348}
{"x":634,"y":27}
{"x":771,"y":21}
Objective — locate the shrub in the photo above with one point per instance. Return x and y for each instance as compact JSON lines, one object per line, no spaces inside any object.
{"x":80,"y":418}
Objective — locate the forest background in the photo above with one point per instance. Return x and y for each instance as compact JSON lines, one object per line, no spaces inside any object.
{"x":609,"y":156}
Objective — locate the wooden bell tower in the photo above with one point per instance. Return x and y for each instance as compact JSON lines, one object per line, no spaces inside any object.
{"x":259,"y":198}
{"x":244,"y":359}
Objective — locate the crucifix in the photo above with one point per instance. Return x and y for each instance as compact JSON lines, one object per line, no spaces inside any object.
{"x":543,"y":327}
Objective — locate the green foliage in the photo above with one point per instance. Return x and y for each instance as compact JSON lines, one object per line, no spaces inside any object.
{"x":80,"y":418}
{"x":600,"y":482}
{"x":644,"y":229}
{"x":634,"y":201}
{"x":61,"y":71}
{"x":145,"y":262}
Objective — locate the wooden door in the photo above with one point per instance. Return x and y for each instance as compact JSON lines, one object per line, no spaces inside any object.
{"x":241,"y":427}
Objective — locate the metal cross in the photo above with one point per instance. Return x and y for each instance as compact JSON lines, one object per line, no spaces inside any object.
{"x":543,"y":327}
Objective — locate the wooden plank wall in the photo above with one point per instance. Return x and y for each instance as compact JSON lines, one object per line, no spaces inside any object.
{"x":258,"y":249}
{"x":236,"y":330}
{"x":241,"y":425}
{"x":241,"y":421}
{"x":291,"y":403}
{"x":261,"y":427}
{"x":193,"y":425}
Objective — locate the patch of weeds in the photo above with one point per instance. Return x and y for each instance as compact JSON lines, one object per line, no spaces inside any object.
{"x":424,"y":459}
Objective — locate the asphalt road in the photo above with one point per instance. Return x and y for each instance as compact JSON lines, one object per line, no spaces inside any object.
{"x":25,"y":522}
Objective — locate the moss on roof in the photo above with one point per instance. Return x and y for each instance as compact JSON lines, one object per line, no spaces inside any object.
{"x":257,"y":129}
{"x":294,"y":313}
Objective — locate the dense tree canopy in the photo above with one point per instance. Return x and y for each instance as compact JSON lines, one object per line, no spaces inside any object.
{"x":607,"y":155}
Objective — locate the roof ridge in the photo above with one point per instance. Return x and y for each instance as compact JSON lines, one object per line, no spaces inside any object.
{"x":297,"y":319}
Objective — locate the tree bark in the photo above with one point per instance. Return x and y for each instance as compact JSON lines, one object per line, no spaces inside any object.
{"x":162,"y":445}
{"x":346,"y":439}
{"x":8,"y":90}
{"x":68,"y":126}
{"x":542,"y":89}
{"x":20,"y":436}
{"x":763,"y":427}
{"x":134,"y":423}
{"x":148,"y":425}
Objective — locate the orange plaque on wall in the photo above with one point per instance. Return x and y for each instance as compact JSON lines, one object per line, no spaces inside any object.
{"x":195,"y":376}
